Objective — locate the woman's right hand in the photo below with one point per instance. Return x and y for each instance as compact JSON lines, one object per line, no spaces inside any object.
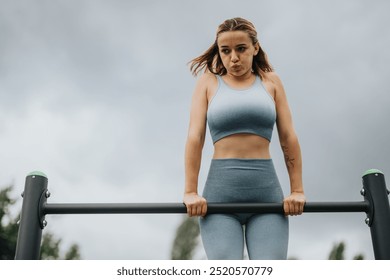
{"x":196,"y":205}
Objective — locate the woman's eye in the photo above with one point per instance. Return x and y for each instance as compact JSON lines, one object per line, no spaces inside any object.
{"x":225,"y":51}
{"x":241,"y":49}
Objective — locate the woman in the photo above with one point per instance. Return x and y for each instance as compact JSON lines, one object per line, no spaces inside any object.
{"x":241,"y":98}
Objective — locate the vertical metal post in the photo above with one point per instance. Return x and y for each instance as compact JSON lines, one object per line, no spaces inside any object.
{"x":378,"y":217}
{"x":31,"y":221}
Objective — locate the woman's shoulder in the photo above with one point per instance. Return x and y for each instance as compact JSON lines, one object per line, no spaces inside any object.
{"x":272,"y":77}
{"x":208,"y":81}
{"x":208,"y":78}
{"x":207,"y":84}
{"x":274,"y":84}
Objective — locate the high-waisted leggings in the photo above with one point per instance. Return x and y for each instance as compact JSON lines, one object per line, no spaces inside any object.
{"x":224,"y":235}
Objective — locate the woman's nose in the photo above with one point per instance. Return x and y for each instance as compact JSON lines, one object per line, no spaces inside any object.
{"x":234,"y":57}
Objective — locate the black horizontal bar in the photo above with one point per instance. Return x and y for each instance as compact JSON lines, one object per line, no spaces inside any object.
{"x":212,"y":208}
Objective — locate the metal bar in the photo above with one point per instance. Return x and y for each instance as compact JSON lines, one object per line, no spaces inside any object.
{"x":166,"y":208}
{"x":34,"y":209}
{"x":30,"y":228}
{"x":378,"y":218}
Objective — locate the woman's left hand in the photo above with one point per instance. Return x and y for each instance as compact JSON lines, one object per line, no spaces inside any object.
{"x":294,"y":203}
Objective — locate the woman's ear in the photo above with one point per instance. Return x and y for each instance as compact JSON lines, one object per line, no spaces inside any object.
{"x":257,"y":47}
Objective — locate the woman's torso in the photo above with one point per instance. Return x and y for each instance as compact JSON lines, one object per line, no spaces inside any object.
{"x":240,"y":145}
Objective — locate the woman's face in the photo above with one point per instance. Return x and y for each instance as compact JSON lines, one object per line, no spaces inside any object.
{"x":236,"y":50}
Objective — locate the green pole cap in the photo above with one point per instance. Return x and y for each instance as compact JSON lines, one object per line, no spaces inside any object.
{"x":372,"y":171}
{"x":37,"y":173}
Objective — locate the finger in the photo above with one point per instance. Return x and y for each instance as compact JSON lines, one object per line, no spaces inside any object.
{"x":192,"y":210}
{"x":188,"y":209}
{"x":290,"y":208}
{"x":199,"y":210}
{"x":299,"y":208}
{"x":296,"y":208}
{"x":293,"y":209}
{"x":204,"y":209}
{"x":286,"y":208}
{"x":302,"y":206}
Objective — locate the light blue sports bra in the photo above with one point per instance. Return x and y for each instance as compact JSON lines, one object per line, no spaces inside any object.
{"x":233,"y":111}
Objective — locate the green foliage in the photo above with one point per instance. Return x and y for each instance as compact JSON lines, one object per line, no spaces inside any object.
{"x":73,"y":253}
{"x":359,"y":257}
{"x":337,"y":252}
{"x":50,"y":247}
{"x":9,"y":231}
{"x":186,"y":240}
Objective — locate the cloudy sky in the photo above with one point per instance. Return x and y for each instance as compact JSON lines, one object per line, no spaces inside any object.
{"x":96,"y":94}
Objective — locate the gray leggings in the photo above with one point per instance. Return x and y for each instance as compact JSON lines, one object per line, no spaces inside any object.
{"x":224,"y":235}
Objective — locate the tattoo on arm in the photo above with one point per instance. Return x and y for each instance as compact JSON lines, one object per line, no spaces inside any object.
{"x":289,"y":161}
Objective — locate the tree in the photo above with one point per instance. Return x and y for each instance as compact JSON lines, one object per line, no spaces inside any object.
{"x":186,"y":240}
{"x":50,"y":247}
{"x":9,"y":231}
{"x":337,"y":252}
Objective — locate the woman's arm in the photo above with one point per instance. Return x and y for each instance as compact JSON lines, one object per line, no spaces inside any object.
{"x":196,"y":205}
{"x":294,"y":203}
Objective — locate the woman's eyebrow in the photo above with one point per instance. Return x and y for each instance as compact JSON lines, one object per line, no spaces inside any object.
{"x":238,"y":45}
